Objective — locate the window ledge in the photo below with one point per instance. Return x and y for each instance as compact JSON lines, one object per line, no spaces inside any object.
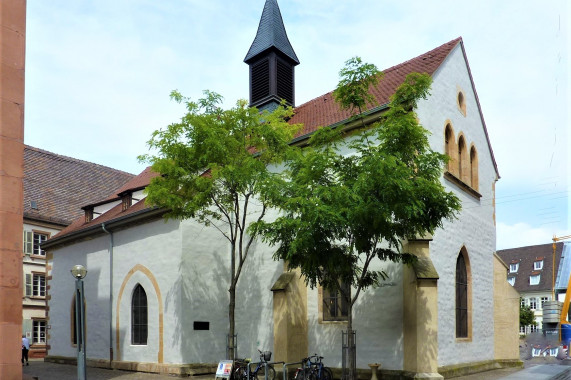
{"x":463,"y":340}
{"x":462,"y":185}
{"x":322,"y":322}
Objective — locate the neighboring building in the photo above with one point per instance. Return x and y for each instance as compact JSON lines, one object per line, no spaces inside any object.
{"x":156,"y":291}
{"x":531,"y":273}
{"x":55,"y":188}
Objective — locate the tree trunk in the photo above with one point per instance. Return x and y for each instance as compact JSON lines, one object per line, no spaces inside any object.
{"x":231,"y":332}
{"x":351,"y":362}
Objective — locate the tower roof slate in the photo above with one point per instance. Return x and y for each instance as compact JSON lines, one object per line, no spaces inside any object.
{"x":271,"y":34}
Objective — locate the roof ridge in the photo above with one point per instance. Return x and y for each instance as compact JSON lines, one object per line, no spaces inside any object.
{"x":72,"y":159}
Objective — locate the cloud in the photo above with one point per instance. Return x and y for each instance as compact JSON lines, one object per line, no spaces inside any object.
{"x":522,"y":235}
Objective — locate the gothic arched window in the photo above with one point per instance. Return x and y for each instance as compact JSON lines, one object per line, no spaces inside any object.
{"x":462,"y":304}
{"x":139,"y":316}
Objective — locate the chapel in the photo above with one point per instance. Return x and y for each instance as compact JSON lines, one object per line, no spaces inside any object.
{"x":156,"y":292}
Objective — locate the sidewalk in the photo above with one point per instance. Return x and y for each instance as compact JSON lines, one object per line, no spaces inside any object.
{"x":40,"y":370}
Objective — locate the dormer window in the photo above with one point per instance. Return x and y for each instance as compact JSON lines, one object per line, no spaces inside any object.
{"x":514,"y":267}
{"x":534,"y":279}
{"x":511,"y":281}
{"x":88,"y":214}
{"x":126,"y":201}
{"x":538,"y":265}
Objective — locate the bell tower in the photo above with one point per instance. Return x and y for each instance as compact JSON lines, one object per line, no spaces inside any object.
{"x":272,"y":61}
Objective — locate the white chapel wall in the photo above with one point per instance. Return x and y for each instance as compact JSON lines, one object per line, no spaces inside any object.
{"x":474,"y":228}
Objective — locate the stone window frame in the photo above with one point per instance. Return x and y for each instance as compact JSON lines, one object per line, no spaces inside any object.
{"x":462,"y":167}
{"x":461,"y":101}
{"x":322,"y":319}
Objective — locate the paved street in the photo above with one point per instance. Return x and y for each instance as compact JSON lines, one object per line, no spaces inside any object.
{"x":52,"y":371}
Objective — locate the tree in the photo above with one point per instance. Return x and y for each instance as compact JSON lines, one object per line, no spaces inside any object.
{"x":213,"y":164}
{"x":526,"y":316}
{"x":340,"y":211}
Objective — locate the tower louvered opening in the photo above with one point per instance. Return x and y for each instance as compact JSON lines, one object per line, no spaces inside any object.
{"x":260,"y":80}
{"x":285,"y":81}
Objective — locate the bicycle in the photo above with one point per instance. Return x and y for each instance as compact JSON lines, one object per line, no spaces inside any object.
{"x":313,"y":369}
{"x":259,"y":373}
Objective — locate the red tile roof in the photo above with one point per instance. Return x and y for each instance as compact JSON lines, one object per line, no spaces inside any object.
{"x":60,"y":185}
{"x":321,"y":111}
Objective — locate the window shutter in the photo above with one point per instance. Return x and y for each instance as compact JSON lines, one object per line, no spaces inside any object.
{"x":28,"y":285}
{"x":28,"y":242}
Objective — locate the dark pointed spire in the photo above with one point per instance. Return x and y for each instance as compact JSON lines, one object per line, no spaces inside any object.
{"x":271,"y":33}
{"x":272,"y":61}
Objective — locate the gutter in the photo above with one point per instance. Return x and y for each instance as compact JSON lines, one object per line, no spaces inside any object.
{"x":110,"y":294}
{"x":95,"y":229}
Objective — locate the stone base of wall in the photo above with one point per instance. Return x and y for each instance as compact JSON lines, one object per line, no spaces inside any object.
{"x":463,"y":369}
{"x":182,"y":370}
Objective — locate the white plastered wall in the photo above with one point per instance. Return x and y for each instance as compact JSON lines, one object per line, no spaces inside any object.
{"x":474,"y":229}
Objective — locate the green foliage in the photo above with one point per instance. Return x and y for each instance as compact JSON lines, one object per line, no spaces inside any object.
{"x":213,"y":164}
{"x":526,"y":316}
{"x":213,"y":159}
{"x":352,"y":92}
{"x":341,"y":210}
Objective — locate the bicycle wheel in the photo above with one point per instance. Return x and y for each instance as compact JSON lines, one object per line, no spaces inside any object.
{"x":240,"y":373}
{"x":261,"y":374}
{"x":299,"y":374}
{"x":310,"y":374}
{"x":326,"y":374}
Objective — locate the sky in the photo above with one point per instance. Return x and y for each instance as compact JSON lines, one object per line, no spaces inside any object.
{"x":99,"y":74}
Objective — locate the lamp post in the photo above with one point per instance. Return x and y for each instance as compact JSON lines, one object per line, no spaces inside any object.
{"x":79,"y":272}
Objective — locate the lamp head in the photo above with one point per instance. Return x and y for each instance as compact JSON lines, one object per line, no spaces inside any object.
{"x":78,"y":271}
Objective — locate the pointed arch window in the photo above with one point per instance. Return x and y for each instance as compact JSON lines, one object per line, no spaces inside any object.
{"x":462,"y":167}
{"x":474,"y":168}
{"x":449,"y":147}
{"x":139,"y":316}
{"x":462,"y":296}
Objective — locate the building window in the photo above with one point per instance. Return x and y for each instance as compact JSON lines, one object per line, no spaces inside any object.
{"x":139,"y":316}
{"x":538,"y":265}
{"x":514,"y":267}
{"x":522,"y":302}
{"x":335,"y":304}
{"x":39,"y":285}
{"x":534,"y":279}
{"x":39,"y":332}
{"x":462,"y":169}
{"x":32,"y":241}
{"x":449,"y":149}
{"x":473,"y":168}
{"x":533,"y":303}
{"x":461,"y":297}
{"x":544,"y":300}
{"x":461,"y":102}
{"x":126,"y":201}
{"x":511,"y":281}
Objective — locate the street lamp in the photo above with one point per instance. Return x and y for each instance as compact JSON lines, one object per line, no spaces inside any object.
{"x":79,"y":272}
